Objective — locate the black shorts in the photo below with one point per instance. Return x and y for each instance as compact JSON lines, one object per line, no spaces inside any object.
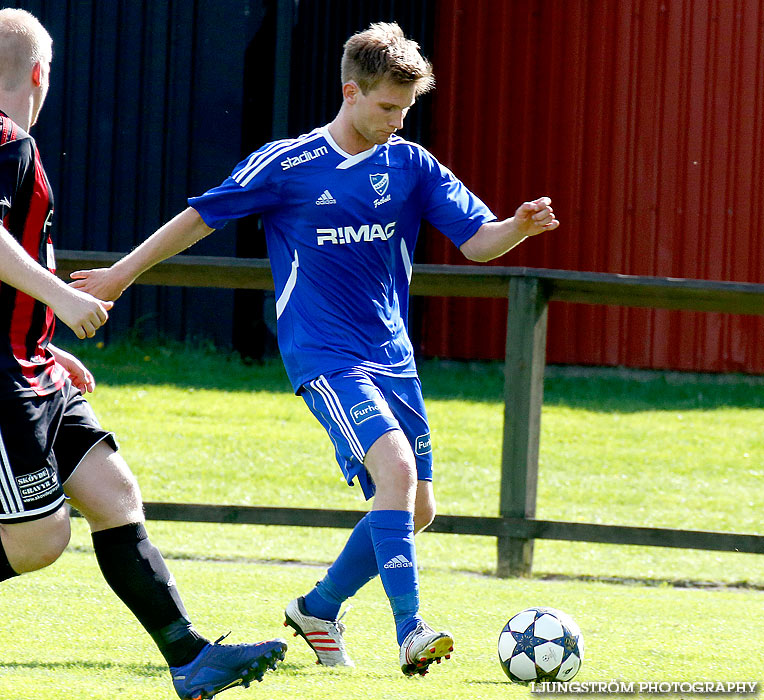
{"x":42,"y":441}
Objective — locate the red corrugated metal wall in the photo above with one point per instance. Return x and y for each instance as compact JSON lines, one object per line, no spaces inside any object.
{"x":642,"y":119}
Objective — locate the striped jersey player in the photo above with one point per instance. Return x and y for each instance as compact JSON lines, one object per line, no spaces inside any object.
{"x":27,"y":367}
{"x":341,"y":208}
{"x":53,"y":451}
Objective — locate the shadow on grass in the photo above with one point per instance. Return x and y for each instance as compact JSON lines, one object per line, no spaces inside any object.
{"x":599,"y":389}
{"x":147,"y":669}
{"x":653,"y":582}
{"x":476,"y":681}
{"x":610,"y":390}
{"x":540,"y":576}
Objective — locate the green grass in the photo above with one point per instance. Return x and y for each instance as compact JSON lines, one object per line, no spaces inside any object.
{"x":621,"y":448}
{"x":71,"y":638}
{"x":646,"y":449}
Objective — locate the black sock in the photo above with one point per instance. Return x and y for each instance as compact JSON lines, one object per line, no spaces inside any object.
{"x":137,"y":573}
{"x":6,"y":570}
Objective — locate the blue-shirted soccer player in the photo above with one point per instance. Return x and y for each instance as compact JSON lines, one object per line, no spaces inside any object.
{"x":342,"y":208}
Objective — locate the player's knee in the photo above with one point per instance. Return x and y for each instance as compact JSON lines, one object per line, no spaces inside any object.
{"x":129,"y":493}
{"x":122,"y":504}
{"x":405,"y":472}
{"x":396,"y":484}
{"x":112,"y":501}
{"x":391,"y":465}
{"x":402,"y":478}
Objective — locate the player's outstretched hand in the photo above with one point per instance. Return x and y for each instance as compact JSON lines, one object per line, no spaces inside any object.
{"x":83,"y":313}
{"x":532,"y":218}
{"x":101,"y":282}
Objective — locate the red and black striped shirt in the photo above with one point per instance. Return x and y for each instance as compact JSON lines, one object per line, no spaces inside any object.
{"x":27,"y":367}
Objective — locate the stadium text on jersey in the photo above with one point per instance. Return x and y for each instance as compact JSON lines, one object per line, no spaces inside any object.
{"x":304,"y":157}
{"x":646,"y":687}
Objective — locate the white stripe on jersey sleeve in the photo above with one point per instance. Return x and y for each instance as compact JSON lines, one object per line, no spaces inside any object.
{"x":248,"y":172}
{"x":256,"y":157}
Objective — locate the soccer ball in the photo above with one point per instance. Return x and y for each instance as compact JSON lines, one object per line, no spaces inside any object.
{"x":541,"y":644}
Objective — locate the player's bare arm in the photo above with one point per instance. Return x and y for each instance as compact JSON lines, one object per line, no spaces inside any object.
{"x":78,"y":310}
{"x":79,"y":375}
{"x":175,"y":236}
{"x":495,"y":238}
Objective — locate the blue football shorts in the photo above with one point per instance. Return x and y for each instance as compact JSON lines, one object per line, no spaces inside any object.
{"x":357,"y":407}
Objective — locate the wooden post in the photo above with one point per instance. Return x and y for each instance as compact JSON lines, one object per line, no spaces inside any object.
{"x":525,"y":358}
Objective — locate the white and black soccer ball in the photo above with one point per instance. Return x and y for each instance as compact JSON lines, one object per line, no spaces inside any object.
{"x":541,"y":644}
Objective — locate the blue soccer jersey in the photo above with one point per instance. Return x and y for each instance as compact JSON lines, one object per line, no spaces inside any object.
{"x":341,"y":231}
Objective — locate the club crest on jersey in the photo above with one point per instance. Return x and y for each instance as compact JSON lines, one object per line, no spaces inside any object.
{"x":379,"y":182}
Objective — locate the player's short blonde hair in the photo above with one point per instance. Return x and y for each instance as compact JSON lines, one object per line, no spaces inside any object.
{"x":23,"y":43}
{"x":383,"y":52}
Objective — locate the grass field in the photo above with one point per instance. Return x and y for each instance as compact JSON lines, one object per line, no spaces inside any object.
{"x":620,"y":448}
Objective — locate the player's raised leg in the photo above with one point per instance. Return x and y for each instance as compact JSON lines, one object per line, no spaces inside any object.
{"x":104,"y":490}
{"x":315,"y":615}
{"x":371,"y":435}
{"x":390,"y":462}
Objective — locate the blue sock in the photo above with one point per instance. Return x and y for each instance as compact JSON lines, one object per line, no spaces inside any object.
{"x":392,"y":532}
{"x":355,"y":566}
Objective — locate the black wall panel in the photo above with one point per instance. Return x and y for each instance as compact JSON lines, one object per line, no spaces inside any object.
{"x":152,"y":101}
{"x":145,"y":109}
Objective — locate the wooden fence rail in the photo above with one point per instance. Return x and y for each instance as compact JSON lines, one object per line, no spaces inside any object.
{"x":529,"y":291}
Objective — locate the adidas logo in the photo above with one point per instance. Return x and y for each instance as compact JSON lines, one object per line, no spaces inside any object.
{"x":326,"y":198}
{"x":399,"y":562}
